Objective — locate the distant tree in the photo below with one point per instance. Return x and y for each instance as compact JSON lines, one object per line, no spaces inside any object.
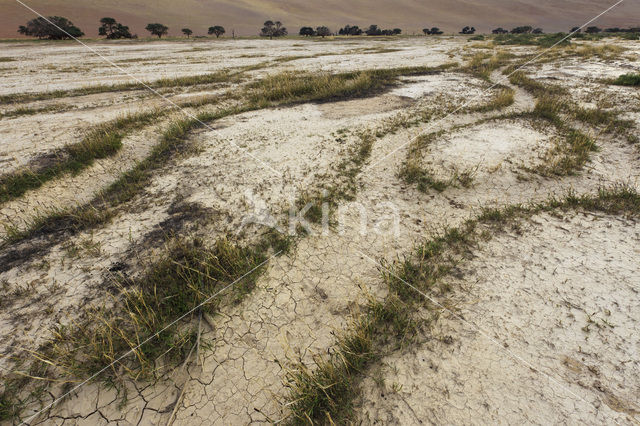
{"x":323,"y":31}
{"x":575,"y":30}
{"x":108,"y":26}
{"x":217,"y":30}
{"x":157,"y":29}
{"x":187,"y":32}
{"x":349,"y":30}
{"x":307,"y":31}
{"x":468,"y":30}
{"x":426,"y":31}
{"x":499,"y":30}
{"x":52,"y":28}
{"x":537,"y":31}
{"x":435,"y":31}
{"x":592,"y":30}
{"x":373,"y":30}
{"x":526,"y":29}
{"x":273,"y":29}
{"x":113,"y":29}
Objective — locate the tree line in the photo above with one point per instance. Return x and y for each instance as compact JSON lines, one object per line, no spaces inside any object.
{"x":349,"y":30}
{"x":60,"y":28}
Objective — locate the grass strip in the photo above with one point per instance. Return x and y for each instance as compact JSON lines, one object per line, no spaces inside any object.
{"x":101,"y":142}
{"x":192,"y":80}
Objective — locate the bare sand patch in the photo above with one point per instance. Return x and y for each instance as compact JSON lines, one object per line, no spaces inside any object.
{"x":487,"y":148}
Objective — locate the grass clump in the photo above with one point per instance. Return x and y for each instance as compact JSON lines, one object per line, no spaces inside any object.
{"x":413,"y":173}
{"x":324,"y":393}
{"x":187,"y":275}
{"x":504,"y":97}
{"x":604,"y":51}
{"x":482,"y":65}
{"x":569,"y":154}
{"x":627,"y":80}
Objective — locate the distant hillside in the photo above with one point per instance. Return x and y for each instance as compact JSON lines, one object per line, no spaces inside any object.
{"x":246,"y":16}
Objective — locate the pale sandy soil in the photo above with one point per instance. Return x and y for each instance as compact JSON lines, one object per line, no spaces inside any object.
{"x":47,"y":67}
{"x":519,"y":287}
{"x":543,"y":332}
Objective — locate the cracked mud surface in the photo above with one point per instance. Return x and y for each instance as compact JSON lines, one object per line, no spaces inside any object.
{"x":521,"y":286}
{"x":544,"y":330}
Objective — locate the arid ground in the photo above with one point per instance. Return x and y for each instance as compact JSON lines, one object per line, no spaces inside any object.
{"x":371,"y":231}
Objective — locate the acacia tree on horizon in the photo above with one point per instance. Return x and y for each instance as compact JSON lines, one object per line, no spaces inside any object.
{"x":52,"y":28}
{"x":273,"y":29}
{"x":468,"y":30}
{"x":157,"y":29}
{"x":432,"y":31}
{"x":187,"y":32}
{"x":217,"y":30}
{"x":112,"y":29}
{"x":307,"y":31}
{"x":323,"y":31}
{"x":350,"y":30}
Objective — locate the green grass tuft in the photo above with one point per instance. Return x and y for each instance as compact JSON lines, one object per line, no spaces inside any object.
{"x":627,"y":80}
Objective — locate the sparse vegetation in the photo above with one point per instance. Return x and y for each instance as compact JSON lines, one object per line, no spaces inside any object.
{"x":482,"y":65}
